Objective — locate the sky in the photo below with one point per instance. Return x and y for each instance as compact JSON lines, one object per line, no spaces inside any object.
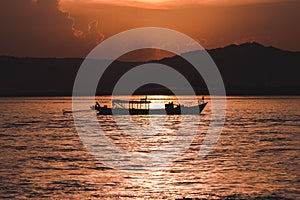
{"x":72,"y":28}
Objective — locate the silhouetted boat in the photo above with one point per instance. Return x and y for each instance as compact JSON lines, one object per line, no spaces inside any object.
{"x":142,"y":107}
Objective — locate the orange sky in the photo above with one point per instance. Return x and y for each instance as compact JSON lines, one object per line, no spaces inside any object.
{"x":169,"y":4}
{"x":71,"y":28}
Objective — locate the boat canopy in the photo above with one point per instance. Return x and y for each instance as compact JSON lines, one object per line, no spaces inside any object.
{"x":138,"y":104}
{"x":132,"y":102}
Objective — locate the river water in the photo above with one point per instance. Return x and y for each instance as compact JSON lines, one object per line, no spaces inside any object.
{"x":256,"y":157}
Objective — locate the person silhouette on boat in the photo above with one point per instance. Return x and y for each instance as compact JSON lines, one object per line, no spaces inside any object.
{"x":202,"y":99}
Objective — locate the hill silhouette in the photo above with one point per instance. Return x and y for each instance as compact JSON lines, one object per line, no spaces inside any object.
{"x":247,"y":69}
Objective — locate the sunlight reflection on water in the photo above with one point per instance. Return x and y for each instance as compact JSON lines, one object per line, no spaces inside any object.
{"x":257,"y":154}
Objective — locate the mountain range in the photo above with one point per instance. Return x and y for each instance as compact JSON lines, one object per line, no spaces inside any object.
{"x":246,"y":69}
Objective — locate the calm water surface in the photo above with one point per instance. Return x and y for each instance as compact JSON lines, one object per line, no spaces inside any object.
{"x":257,"y":155}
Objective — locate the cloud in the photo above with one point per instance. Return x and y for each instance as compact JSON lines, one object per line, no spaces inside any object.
{"x":71,"y":28}
{"x":92,"y":33}
{"x":39,"y":28}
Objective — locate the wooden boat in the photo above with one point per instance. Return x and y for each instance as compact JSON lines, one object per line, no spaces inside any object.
{"x":142,"y":107}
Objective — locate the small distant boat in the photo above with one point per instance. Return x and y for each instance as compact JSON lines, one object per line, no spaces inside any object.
{"x":142,"y":107}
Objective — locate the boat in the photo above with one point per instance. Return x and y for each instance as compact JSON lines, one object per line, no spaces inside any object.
{"x":142,"y":107}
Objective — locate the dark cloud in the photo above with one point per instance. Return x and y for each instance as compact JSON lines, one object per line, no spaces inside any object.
{"x":39,"y":28}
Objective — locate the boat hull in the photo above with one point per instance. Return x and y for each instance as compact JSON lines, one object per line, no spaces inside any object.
{"x":182,"y":110}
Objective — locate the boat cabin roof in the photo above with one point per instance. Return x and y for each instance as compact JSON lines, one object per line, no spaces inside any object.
{"x":132,"y":102}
